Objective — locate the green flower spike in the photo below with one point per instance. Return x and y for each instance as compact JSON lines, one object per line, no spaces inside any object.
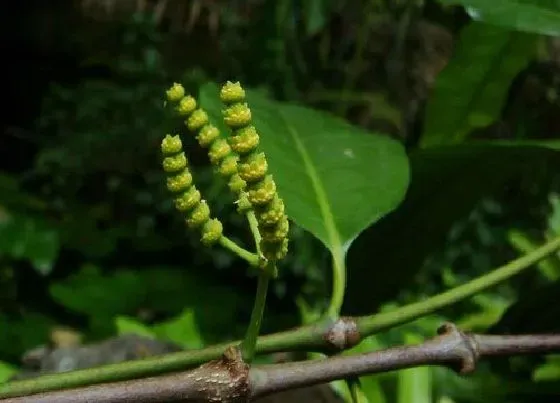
{"x":208,"y":136}
{"x":180,"y":182}
{"x":261,"y":190}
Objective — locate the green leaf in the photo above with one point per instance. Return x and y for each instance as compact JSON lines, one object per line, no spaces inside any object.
{"x":129,"y":325}
{"x":6,"y":371}
{"x":536,"y":311}
{"x":470,"y":92}
{"x":316,"y":13}
{"x":525,"y":243}
{"x":182,"y":330}
{"x":336,"y":180}
{"x":447,"y":182}
{"x":414,"y":384}
{"x":537,"y":16}
{"x":161,"y":290}
{"x":27,"y":237}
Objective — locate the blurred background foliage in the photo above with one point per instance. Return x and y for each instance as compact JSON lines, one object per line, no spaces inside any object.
{"x":88,"y":236}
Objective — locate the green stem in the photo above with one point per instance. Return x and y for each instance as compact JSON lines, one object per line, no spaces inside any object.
{"x":375,"y":323}
{"x":254,"y":225}
{"x":249,"y":343}
{"x":306,"y":338}
{"x":338,"y":285}
{"x":251,"y":258}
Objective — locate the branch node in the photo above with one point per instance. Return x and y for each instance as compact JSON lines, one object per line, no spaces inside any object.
{"x":342,"y":334}
{"x":465,"y":347}
{"x":229,"y":381}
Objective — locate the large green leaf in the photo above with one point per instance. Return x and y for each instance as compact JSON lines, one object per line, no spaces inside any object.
{"x":538,"y":16}
{"x":336,"y":180}
{"x":446,"y":184}
{"x":470,"y":92}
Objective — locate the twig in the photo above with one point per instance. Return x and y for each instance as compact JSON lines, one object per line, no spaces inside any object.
{"x":230,"y":380}
{"x":325,"y":336}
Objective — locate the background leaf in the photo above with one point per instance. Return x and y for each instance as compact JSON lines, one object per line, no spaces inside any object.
{"x":335,"y":179}
{"x":536,"y":16}
{"x":446,"y":184}
{"x":414,"y":384}
{"x":470,"y":92}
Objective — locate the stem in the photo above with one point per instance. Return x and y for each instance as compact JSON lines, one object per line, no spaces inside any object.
{"x":307,"y":338}
{"x":375,"y":323}
{"x":338,"y":284}
{"x":249,"y":344}
{"x":254,"y":225}
{"x":251,"y":258}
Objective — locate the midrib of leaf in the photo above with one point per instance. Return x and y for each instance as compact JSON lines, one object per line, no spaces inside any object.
{"x":339,"y":275}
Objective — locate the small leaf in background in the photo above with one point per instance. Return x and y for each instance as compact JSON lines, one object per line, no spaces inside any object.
{"x":6,"y":371}
{"x":548,"y":371}
{"x":182,"y":330}
{"x":128,"y":325}
{"x":335,"y":179}
{"x":524,"y":243}
{"x":537,"y":16}
{"x":316,"y":13}
{"x":414,"y":384}
{"x":470,"y":92}
{"x":27,"y":237}
{"x":161,"y":290}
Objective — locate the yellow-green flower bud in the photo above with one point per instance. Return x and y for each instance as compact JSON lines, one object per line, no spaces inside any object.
{"x":277,"y":233}
{"x":174,"y":163}
{"x":236,"y":184}
{"x":207,"y":135}
{"x":171,"y":144}
{"x":232,"y":92}
{"x":219,"y":150}
{"x":198,"y":119}
{"x":199,"y":215}
{"x":211,"y":232}
{"x":186,"y":106}
{"x":272,"y":214}
{"x":188,"y":200}
{"x":263,"y":192}
{"x":228,"y":166}
{"x":274,"y":250}
{"x":175,"y":93}
{"x":254,"y":169}
{"x":245,"y":140}
{"x":237,"y":115}
{"x":243,"y":204}
{"x":180,"y":182}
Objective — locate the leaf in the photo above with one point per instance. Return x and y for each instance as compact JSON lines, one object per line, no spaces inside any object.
{"x":447,"y":182}
{"x":316,"y":14}
{"x":6,"y":371}
{"x":27,"y":237}
{"x":470,"y":92}
{"x":414,"y":384}
{"x":549,"y":266}
{"x":128,"y":325}
{"x":335,"y":179}
{"x":536,"y":311}
{"x":536,"y":16}
{"x":182,"y":330}
{"x":161,"y":290}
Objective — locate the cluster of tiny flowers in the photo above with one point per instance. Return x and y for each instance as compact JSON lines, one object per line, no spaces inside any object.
{"x":252,"y":168}
{"x":208,"y":136}
{"x":187,"y":197}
